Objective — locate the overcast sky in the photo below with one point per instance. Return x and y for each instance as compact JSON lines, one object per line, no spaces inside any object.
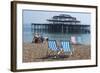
{"x":32,"y":16}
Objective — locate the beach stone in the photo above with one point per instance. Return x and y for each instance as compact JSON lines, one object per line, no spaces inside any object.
{"x":37,"y":52}
{"x":33,"y":51}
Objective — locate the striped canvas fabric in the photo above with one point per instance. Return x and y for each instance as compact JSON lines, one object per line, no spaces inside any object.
{"x":66,"y":46}
{"x":52,"y":45}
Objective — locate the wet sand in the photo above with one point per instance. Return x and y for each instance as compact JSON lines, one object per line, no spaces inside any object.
{"x":33,"y":52}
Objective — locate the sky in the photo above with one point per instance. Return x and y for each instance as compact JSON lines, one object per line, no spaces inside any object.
{"x":33,"y":16}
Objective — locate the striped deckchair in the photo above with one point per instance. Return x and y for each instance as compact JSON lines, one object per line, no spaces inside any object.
{"x":52,"y":45}
{"x":66,"y":46}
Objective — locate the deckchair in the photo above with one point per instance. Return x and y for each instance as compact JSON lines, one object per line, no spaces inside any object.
{"x":66,"y":46}
{"x":52,"y":45}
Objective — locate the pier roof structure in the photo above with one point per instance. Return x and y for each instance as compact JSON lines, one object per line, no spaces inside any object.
{"x":64,"y":18}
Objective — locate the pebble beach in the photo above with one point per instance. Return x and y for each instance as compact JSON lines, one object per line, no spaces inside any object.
{"x":37,"y":52}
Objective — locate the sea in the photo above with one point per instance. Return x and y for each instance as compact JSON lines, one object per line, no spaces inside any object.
{"x":84,"y":39}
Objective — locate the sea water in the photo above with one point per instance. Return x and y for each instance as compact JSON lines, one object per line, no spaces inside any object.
{"x":80,"y":38}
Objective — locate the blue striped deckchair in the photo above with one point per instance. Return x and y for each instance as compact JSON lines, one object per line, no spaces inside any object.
{"x":52,"y":45}
{"x":66,"y":46}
